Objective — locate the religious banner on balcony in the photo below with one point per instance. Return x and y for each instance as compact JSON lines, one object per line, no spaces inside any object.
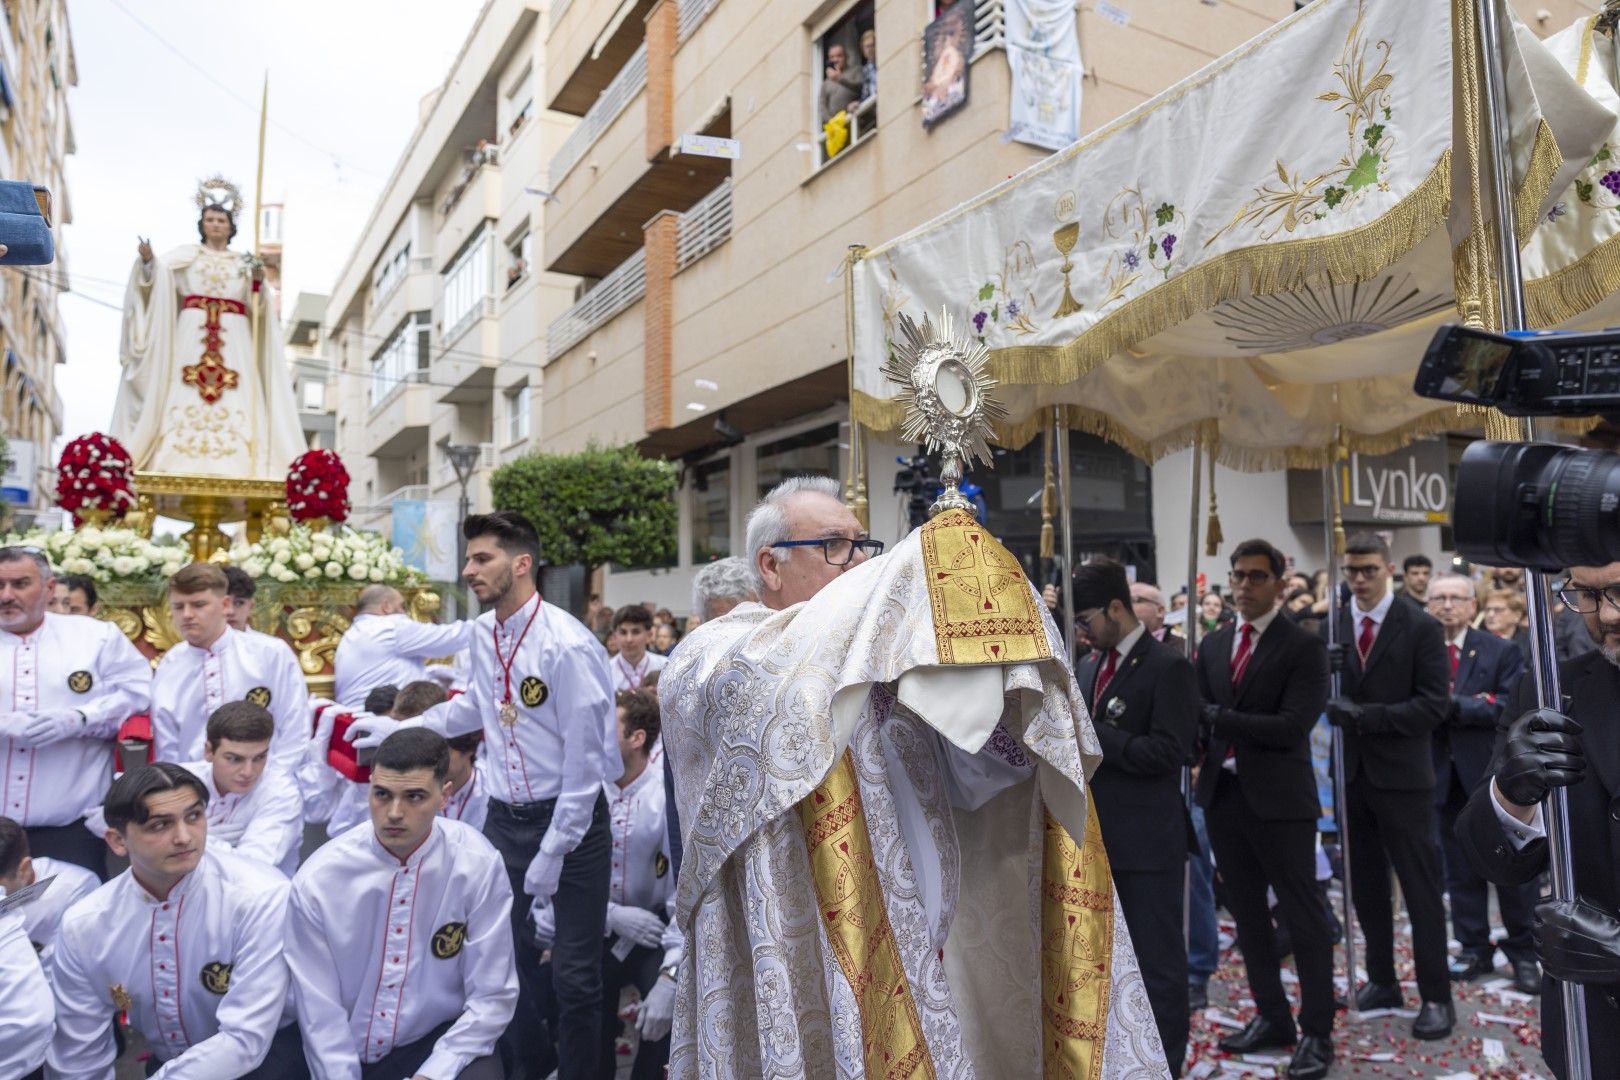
{"x":425,"y":530}
{"x":1043,"y":53}
{"x":947,"y":44}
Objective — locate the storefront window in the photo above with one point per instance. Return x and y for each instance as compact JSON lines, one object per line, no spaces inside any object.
{"x":809,"y":453}
{"x":711,"y":511}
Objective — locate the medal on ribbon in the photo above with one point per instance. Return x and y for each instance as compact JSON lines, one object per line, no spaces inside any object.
{"x":506,"y":710}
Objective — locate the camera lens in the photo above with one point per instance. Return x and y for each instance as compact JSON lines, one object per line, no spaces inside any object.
{"x":1538,"y":506}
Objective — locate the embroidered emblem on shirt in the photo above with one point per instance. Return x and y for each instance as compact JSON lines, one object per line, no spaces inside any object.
{"x":259,"y":695}
{"x":660,"y":865}
{"x":120,"y":997}
{"x":534,"y":691}
{"x":448,"y":939}
{"x":216,"y":977}
{"x":80,"y":682}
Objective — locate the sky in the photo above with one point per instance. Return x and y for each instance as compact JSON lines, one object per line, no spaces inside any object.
{"x":347,"y":79}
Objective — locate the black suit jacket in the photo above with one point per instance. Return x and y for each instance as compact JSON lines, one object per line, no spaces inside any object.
{"x":1267,"y":720}
{"x":1146,"y":720}
{"x":1488,"y":668}
{"x":1593,"y":687}
{"x":1403,"y":687}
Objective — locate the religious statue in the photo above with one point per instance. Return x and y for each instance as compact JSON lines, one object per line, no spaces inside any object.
{"x":205,"y":391}
{"x":891,"y":865}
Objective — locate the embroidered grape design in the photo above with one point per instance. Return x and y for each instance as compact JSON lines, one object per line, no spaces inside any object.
{"x":1611,"y":180}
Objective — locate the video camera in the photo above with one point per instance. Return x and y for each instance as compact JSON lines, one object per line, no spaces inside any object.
{"x":1535,"y":505}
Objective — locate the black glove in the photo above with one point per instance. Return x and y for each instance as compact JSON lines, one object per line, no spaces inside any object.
{"x":1210,"y":714}
{"x":1338,"y":655}
{"x":1344,"y":713}
{"x":1543,"y":751}
{"x":1578,"y":942}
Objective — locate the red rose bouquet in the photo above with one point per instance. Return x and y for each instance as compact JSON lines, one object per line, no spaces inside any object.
{"x":95,"y":473}
{"x":318,"y":487}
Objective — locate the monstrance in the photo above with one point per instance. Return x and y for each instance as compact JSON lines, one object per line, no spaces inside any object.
{"x":945,"y":391}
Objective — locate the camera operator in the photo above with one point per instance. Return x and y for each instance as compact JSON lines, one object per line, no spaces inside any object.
{"x":1502,"y":833}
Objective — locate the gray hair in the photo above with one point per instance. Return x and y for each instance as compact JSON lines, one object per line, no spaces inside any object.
{"x":1473,"y":588}
{"x":768,"y":522}
{"x":723,"y":579}
{"x":15,"y":552}
{"x":1142,"y":590}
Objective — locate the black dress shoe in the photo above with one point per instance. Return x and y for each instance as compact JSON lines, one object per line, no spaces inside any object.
{"x":1527,"y":976}
{"x":1312,"y":1059}
{"x":1197,"y":996}
{"x":1261,"y":1034}
{"x":1373,"y":996}
{"x":1470,"y":966}
{"x":1435,"y":1019}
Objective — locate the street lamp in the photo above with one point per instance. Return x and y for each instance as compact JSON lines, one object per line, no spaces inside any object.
{"x":463,"y":459}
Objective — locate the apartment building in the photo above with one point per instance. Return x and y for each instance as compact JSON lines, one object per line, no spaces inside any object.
{"x":711,"y":322}
{"x":37,"y":68}
{"x":313,"y":377}
{"x":434,"y":327}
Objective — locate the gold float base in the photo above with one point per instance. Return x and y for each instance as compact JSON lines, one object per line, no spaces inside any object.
{"x":209,"y":502}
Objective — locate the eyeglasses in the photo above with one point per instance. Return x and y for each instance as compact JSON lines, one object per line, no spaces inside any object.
{"x":1363,"y":571}
{"x":1586,"y":601}
{"x":1253,"y":577}
{"x":838,"y":550}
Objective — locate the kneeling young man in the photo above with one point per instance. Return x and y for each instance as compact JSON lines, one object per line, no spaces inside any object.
{"x":187,"y":941}
{"x":20,"y":868}
{"x":399,"y":934}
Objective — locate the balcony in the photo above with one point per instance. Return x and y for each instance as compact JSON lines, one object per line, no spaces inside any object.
{"x":618,"y":95}
{"x":464,"y":364}
{"x":471,"y":201}
{"x":398,"y":422}
{"x":704,"y":227}
{"x":589,"y":42}
{"x":614,"y":293}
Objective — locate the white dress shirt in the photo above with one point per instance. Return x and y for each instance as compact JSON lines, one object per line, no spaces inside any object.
{"x":382,"y":952}
{"x":1378,"y":614}
{"x":1519,"y":833}
{"x":1261,"y":625}
{"x":470,"y":805}
{"x":201,"y":972}
{"x":42,"y":916}
{"x":389,"y":650}
{"x":68,"y":662}
{"x":265,"y":823}
{"x":628,"y":676}
{"x":565,"y":743}
{"x":190,"y":683}
{"x":27,"y":1009}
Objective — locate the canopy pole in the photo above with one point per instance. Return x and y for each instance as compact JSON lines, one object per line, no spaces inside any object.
{"x":1543,"y":658}
{"x":1191,"y":626}
{"x":1333,"y":545}
{"x":1065,"y":528}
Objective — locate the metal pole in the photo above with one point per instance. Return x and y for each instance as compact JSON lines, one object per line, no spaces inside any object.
{"x":1191,"y":625}
{"x":467,"y":610}
{"x":1330,"y":530}
{"x":1543,"y":658}
{"x":1066,"y":528}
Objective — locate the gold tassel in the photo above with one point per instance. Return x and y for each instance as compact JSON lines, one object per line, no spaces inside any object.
{"x":1049,"y":496}
{"x":1213,"y":537}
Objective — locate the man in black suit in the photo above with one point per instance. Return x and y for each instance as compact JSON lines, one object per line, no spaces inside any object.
{"x":1484,"y":671}
{"x":1501,"y":830}
{"x":1264,"y":681}
{"x":1144,"y":705}
{"x":1393,"y":679}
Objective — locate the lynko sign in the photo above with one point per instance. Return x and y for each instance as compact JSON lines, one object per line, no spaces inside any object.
{"x":1409,"y":487}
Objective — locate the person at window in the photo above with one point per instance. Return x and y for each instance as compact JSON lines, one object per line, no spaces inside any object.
{"x":840,"y":87}
{"x":868,"y":65}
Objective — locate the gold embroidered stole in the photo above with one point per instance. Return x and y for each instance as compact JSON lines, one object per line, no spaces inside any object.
{"x":857,"y":923}
{"x":984,"y":611}
{"x":1077,"y":945}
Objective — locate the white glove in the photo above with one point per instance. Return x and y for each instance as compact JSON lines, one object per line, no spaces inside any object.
{"x":12,"y":725}
{"x":544,"y":872}
{"x":657,"y":1011}
{"x":45,"y":728}
{"x":322,"y":739}
{"x":545,"y":924}
{"x":369,"y":731}
{"x":635,"y":924}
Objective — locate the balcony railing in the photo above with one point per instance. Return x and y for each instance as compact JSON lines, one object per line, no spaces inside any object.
{"x":989,"y":25}
{"x":626,"y":284}
{"x":613,"y":100}
{"x":704,"y":227}
{"x":449,"y":335}
{"x":690,"y":14}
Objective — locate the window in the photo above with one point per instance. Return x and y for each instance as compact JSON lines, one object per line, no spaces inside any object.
{"x":520,"y":101}
{"x":711,"y":511}
{"x":517,"y":413}
{"x":846,"y":82}
{"x":403,"y":358}
{"x":809,"y":453}
{"x":389,"y":273}
{"x":314,"y":395}
{"x":466,"y":284}
{"x":519,"y":256}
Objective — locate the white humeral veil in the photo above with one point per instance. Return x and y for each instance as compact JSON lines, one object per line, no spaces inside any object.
{"x":955,"y":766}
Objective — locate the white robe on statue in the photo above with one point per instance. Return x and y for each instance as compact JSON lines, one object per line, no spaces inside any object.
{"x":194,"y":398}
{"x":956,"y":768}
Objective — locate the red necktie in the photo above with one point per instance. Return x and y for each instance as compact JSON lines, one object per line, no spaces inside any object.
{"x":1240,"y":662}
{"x":1456,"y":658}
{"x":1106,"y":675}
{"x":1364,"y":643}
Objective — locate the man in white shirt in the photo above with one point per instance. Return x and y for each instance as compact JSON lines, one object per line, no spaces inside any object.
{"x":386,"y":647}
{"x":19,"y":869}
{"x":27,"y":1012}
{"x":541,"y":693}
{"x":187,"y":942}
{"x":632,"y":631}
{"x":399,"y":934}
{"x":67,"y":682}
{"x":468,"y":797}
{"x":215,"y":664}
